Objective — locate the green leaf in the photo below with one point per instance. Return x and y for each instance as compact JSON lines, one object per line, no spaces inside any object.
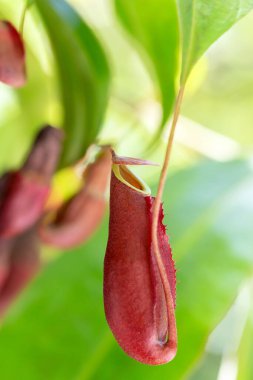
{"x":59,"y":323}
{"x":84,"y":75}
{"x":245,"y":352}
{"x":203,"y":22}
{"x":154,"y":25}
{"x":208,"y":368}
{"x":57,"y":329}
{"x":22,"y":113}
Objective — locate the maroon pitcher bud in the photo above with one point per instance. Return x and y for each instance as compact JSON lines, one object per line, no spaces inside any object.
{"x":43,"y":157}
{"x":80,"y":216}
{"x":136,"y":306}
{"x":24,"y":263}
{"x":12,"y":56}
{"x":27,"y":189}
{"x":5,"y":247}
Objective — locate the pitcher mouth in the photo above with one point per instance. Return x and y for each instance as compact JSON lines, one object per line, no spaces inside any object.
{"x":126,"y":176}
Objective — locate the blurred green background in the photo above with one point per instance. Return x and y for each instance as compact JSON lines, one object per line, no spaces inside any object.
{"x":57,"y":329}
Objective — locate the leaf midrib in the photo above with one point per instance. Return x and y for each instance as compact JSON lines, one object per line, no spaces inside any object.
{"x":191,"y":43}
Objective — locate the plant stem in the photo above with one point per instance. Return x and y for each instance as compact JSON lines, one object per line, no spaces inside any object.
{"x":156,"y":209}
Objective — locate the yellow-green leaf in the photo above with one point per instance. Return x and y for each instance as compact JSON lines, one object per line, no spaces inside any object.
{"x":203,"y":22}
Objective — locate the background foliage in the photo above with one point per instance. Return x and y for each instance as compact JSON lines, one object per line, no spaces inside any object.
{"x":109,"y":72}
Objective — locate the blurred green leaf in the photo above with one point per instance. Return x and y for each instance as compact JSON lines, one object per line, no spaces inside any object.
{"x":208,"y":368}
{"x":245,"y":352}
{"x":203,"y":22}
{"x":84,"y":75}
{"x":57,"y":329}
{"x":22,"y":113}
{"x":154,"y":24}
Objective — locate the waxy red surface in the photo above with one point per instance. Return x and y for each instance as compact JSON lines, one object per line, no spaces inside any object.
{"x":134,"y":298}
